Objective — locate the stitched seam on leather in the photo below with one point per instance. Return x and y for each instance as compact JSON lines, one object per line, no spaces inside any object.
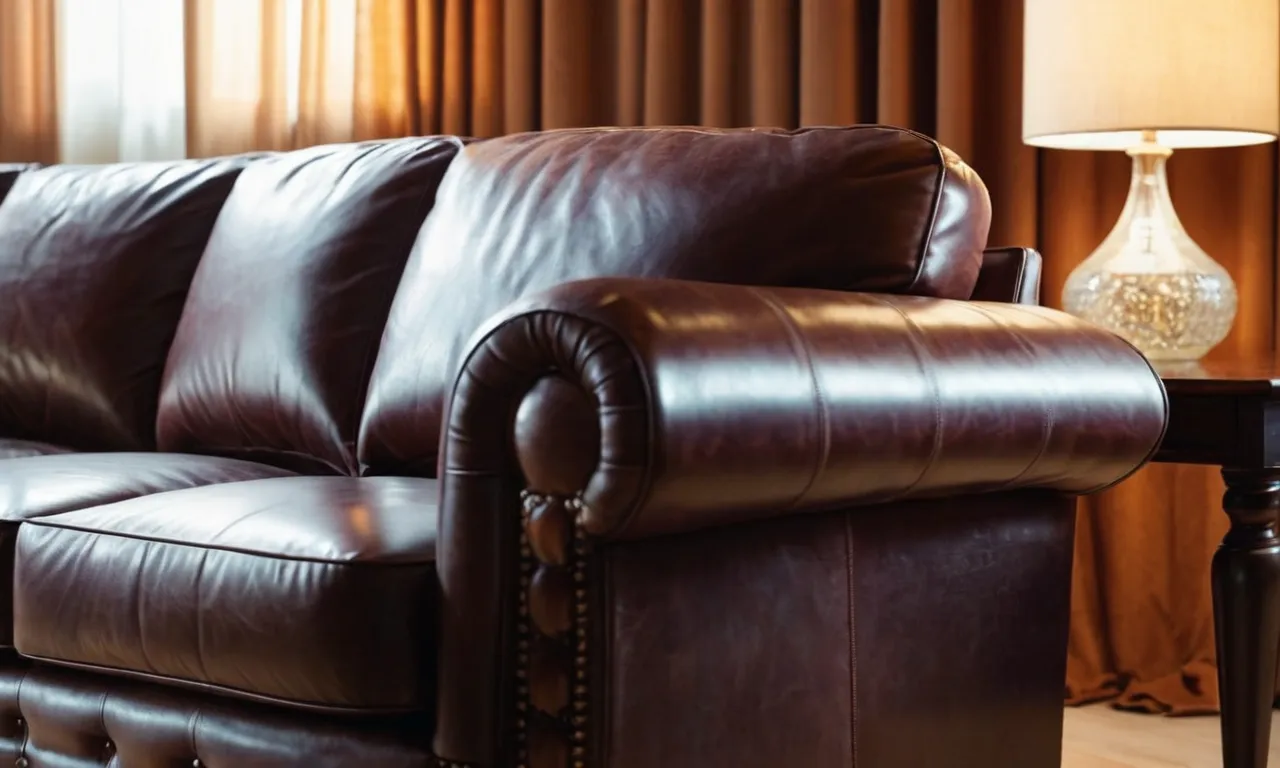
{"x":853,"y":640}
{"x":102,"y":714}
{"x":1164,"y":394}
{"x":193,"y":723}
{"x":200,"y":659}
{"x":824,"y":417}
{"x":235,"y":550}
{"x":26,"y":731}
{"x":922,"y":362}
{"x":137,"y":604}
{"x":927,"y":240}
{"x":1049,"y":419}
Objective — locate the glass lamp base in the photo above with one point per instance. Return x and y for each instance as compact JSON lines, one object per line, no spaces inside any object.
{"x":1149,"y":282}
{"x":1176,"y":316}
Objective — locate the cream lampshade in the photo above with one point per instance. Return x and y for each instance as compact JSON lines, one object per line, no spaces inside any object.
{"x":1147,"y":77}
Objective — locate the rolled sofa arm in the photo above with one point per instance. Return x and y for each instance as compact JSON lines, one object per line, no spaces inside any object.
{"x":668,"y":405}
{"x":623,"y":408}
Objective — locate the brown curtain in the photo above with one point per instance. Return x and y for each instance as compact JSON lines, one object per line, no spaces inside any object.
{"x":1141,"y":624}
{"x":28,"y":98}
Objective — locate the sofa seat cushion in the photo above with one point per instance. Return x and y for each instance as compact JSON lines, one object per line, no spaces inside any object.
{"x":14,"y":449}
{"x":315,"y":592}
{"x":35,"y":486}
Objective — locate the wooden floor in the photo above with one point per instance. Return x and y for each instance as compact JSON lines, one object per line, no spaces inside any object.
{"x":1101,"y":737}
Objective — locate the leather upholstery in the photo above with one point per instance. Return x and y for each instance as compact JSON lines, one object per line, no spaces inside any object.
{"x":37,"y":486}
{"x":13,"y":449}
{"x":718,"y":405}
{"x":739,"y":498}
{"x":54,"y":717}
{"x":319,"y":592}
{"x":692,"y":428}
{"x":852,"y":639}
{"x":95,"y":262}
{"x":1009,"y":275}
{"x":866,"y":208}
{"x":283,"y":320}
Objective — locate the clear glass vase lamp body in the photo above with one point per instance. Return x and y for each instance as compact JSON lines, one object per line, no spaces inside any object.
{"x":1148,"y":281}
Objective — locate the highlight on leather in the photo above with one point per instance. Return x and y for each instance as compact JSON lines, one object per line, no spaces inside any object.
{"x":859,"y":208}
{"x":718,"y":400}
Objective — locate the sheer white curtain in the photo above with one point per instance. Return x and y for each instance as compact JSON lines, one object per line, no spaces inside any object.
{"x":165,"y":79}
{"x":121,"y":80}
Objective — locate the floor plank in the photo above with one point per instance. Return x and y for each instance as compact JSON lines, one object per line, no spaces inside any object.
{"x":1101,"y":737}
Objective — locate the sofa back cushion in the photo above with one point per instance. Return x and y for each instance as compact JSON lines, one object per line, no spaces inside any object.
{"x":281,"y":328}
{"x":866,"y":208}
{"x":95,"y":263}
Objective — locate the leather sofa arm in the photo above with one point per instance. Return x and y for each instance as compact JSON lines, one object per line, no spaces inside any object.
{"x":665,"y":406}
{"x":616,"y":409}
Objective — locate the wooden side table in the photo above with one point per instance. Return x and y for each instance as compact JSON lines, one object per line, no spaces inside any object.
{"x":1228,"y":415}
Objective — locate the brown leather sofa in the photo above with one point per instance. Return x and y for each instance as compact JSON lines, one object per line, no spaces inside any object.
{"x":643,"y":448}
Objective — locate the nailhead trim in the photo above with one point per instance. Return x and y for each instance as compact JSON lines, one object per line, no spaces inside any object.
{"x":575,"y":722}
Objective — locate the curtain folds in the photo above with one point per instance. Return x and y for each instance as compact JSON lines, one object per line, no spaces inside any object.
{"x":277,"y":74}
{"x":28,"y":95}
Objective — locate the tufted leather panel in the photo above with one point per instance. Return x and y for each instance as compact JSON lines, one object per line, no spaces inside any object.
{"x":866,"y":208}
{"x":52,"y":718}
{"x":282,"y":324}
{"x":716,"y":405}
{"x":95,"y":262}
{"x":37,"y":486}
{"x":319,"y":592}
{"x":14,"y":449}
{"x":1009,"y":275}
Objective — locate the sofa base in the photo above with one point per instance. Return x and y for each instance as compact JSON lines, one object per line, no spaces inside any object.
{"x":923,"y":633}
{"x":54,"y":717}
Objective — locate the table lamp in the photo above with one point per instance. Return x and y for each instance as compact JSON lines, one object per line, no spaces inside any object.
{"x":1148,"y":77}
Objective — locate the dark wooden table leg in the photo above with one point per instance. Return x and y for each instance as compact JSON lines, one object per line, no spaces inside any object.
{"x":1246,"y":614}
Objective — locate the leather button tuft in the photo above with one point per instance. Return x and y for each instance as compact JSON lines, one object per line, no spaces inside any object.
{"x":196,"y":763}
{"x":22,"y":762}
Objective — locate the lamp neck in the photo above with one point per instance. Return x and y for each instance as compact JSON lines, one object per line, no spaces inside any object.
{"x":1149,"y":205}
{"x":1149,"y":153}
